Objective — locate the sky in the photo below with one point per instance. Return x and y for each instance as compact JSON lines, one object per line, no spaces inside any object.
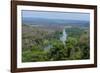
{"x":56,"y":15}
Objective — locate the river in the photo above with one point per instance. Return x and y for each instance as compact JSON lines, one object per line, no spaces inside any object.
{"x":63,"y":38}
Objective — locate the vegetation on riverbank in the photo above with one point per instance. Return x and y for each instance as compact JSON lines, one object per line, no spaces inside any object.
{"x":35,"y":42}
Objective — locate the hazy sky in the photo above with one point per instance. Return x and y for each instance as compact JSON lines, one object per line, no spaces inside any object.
{"x":56,"y":15}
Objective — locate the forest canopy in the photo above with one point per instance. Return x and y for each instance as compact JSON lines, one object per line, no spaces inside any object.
{"x":42,"y":43}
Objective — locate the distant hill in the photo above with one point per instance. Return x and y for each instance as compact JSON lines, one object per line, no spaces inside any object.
{"x":62,"y":22}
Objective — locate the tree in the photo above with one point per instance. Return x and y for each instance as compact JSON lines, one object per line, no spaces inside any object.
{"x":58,"y":51}
{"x":71,"y":45}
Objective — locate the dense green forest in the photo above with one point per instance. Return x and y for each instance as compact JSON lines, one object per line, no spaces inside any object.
{"x":42,"y":43}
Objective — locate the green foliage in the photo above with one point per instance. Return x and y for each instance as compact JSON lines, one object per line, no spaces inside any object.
{"x":35,"y":42}
{"x":57,"y":52}
{"x":34,"y":54}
